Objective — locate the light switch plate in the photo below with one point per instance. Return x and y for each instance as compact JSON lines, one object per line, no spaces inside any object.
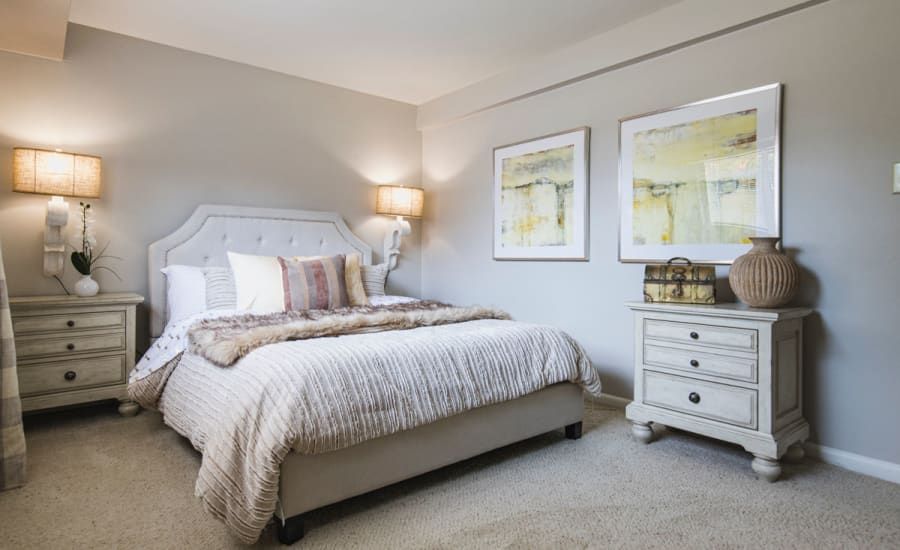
{"x":897,"y":177}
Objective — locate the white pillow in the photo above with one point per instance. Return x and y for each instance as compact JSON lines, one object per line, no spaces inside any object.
{"x":257,"y":282}
{"x":185,"y":291}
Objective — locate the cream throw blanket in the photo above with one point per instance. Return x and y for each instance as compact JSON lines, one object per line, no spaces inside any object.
{"x":322,"y":394}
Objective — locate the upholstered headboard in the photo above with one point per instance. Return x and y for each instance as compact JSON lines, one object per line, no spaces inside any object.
{"x":213,"y":230}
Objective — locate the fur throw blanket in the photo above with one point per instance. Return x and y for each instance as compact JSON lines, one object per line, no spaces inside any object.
{"x":225,"y":340}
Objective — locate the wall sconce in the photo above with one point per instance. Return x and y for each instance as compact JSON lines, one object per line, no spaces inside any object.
{"x":402,"y":202}
{"x":57,"y":174}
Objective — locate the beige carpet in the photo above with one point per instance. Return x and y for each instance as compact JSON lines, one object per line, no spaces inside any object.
{"x":97,"y":481}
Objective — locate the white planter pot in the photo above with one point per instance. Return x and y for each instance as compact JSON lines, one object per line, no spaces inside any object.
{"x":86,"y":286}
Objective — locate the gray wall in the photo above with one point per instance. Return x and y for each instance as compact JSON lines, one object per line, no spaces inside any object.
{"x":177,"y":129}
{"x":841,"y":135}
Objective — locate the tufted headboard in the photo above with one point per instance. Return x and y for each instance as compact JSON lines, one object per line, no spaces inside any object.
{"x":212,"y":230}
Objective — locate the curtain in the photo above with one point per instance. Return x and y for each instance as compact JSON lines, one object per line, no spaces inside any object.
{"x":12,"y":436}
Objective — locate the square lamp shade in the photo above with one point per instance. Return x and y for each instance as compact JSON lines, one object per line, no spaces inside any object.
{"x":55,"y":173}
{"x":394,"y":200}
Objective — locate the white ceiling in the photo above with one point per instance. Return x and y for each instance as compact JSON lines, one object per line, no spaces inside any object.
{"x":408,"y":50}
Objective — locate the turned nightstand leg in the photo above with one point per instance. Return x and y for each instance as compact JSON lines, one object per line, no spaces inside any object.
{"x":795,"y":453}
{"x":766,"y":468}
{"x":642,"y":431}
{"x":128,"y":407}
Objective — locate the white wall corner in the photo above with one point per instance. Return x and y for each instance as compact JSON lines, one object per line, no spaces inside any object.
{"x":676,"y":26}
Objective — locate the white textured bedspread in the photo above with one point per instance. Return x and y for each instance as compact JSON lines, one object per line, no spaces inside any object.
{"x":325,"y":394}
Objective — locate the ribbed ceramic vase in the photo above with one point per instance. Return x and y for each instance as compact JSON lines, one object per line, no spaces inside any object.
{"x":764,"y":276}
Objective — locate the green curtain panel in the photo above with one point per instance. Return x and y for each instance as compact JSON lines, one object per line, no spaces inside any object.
{"x":12,"y":436}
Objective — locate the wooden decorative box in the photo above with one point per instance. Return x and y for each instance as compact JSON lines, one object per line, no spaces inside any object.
{"x":678,"y":281}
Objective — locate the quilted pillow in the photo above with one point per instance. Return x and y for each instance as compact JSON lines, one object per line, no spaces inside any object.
{"x":220,"y":292}
{"x":314,"y":284}
{"x":374,"y":278}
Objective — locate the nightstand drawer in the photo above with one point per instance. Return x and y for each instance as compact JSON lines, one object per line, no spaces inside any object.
{"x":38,"y":378}
{"x":703,"y":362}
{"x":705,"y":335}
{"x":33,"y":346}
{"x":68,"y":322}
{"x":719,"y":402}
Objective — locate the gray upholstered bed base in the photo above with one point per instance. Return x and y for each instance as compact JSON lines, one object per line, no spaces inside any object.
{"x":312,"y":481}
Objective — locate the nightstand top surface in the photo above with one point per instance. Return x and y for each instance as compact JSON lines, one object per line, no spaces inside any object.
{"x":729,"y":309}
{"x":104,"y":298}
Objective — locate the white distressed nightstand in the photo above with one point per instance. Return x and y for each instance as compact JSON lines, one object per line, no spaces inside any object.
{"x":74,"y":350}
{"x":724,"y":371}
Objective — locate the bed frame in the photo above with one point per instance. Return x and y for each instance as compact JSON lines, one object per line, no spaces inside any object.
{"x":308,"y":482}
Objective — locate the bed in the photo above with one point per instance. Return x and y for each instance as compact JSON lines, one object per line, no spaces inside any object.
{"x":323,"y":473}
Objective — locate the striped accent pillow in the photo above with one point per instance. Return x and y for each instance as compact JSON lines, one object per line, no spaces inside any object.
{"x":220,"y":291}
{"x":374,"y":278}
{"x":313,"y":284}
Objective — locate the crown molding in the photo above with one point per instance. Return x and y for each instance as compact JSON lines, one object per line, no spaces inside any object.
{"x":678,"y":26}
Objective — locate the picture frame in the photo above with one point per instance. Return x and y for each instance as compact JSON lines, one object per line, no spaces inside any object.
{"x":698,"y":180}
{"x":541,"y":198}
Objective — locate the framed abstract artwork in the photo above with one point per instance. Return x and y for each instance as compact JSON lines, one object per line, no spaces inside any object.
{"x":699,"y":180}
{"x":541,"y":198}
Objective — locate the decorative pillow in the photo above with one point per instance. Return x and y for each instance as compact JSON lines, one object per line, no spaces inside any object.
{"x":185,"y":291}
{"x":257,"y":282}
{"x":374,"y":278}
{"x":220,"y":292}
{"x":356,"y":292}
{"x":314,"y":284}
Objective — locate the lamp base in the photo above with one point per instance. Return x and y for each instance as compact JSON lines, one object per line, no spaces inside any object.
{"x":392,"y":240}
{"x":54,"y":242}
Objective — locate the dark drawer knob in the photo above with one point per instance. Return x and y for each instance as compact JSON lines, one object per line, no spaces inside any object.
{"x":70,"y":347}
{"x":70,"y":324}
{"x":694,"y":397}
{"x":695,"y":336}
{"x":695,"y":363}
{"x":70,"y":375}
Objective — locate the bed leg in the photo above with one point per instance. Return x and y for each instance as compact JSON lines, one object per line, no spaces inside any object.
{"x":290,"y":530}
{"x":573,"y":431}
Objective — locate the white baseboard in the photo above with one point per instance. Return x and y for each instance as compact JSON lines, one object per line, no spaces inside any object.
{"x":882,"y":469}
{"x":609,"y":400}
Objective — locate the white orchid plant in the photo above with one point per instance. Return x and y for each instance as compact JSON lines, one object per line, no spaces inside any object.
{"x":85,"y":260}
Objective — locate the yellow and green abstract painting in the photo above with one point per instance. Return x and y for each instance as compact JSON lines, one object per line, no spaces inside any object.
{"x":536,"y":198}
{"x":695,"y":183}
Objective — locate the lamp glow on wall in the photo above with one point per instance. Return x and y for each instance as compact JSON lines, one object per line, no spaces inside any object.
{"x":400,"y":201}
{"x":60,"y":175}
